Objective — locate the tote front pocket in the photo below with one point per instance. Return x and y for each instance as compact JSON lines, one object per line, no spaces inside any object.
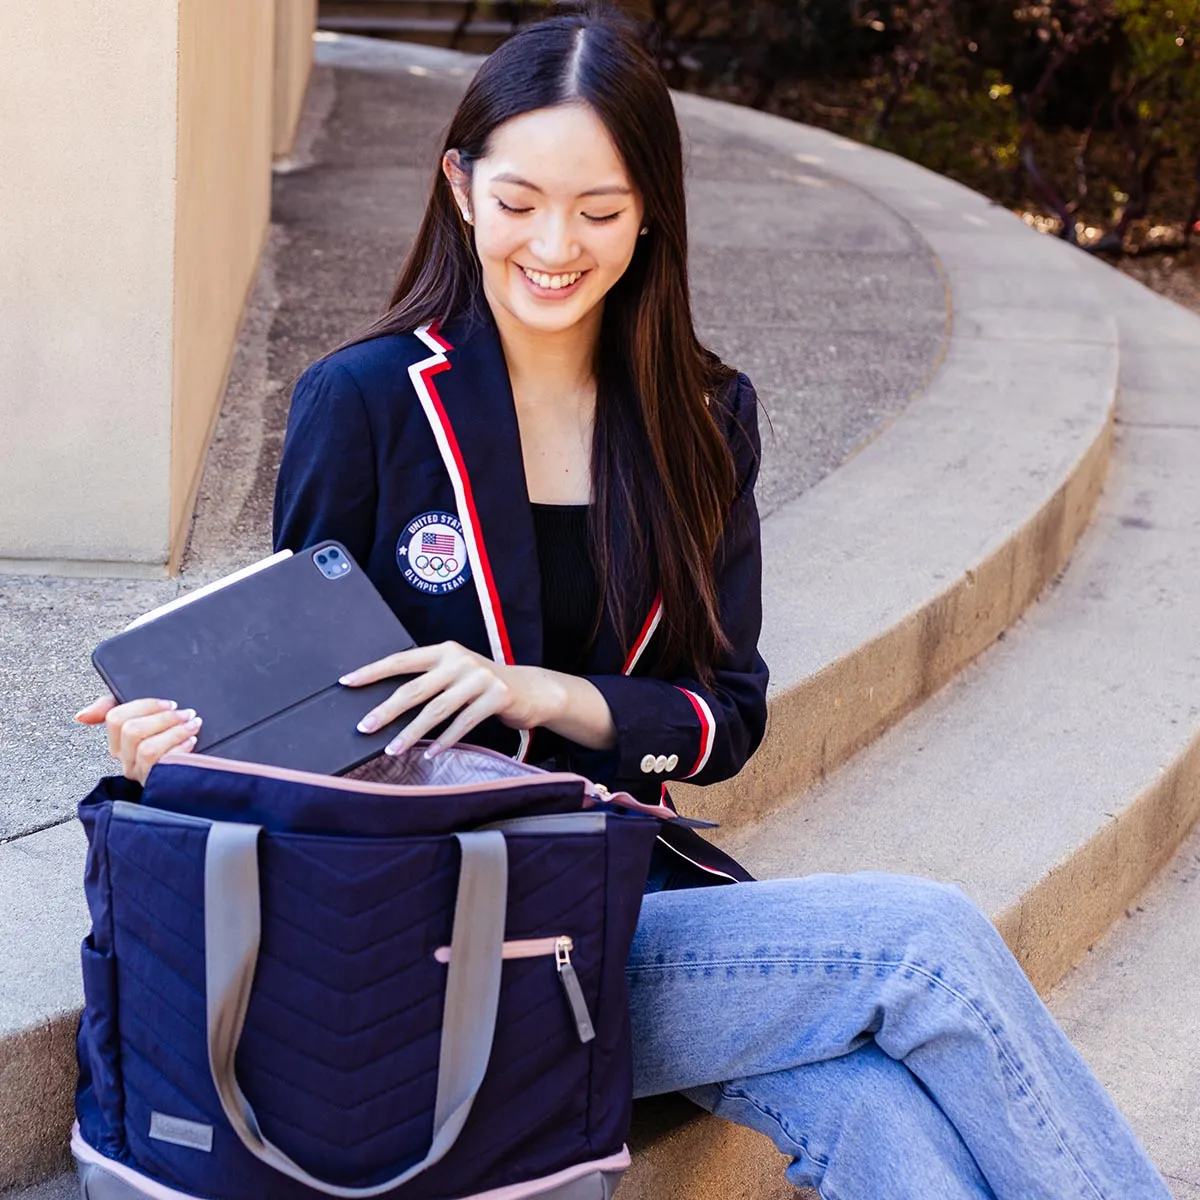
{"x":560,"y":949}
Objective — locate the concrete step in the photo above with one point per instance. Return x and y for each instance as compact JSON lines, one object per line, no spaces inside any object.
{"x":1131,"y":1008}
{"x":1058,"y":773}
{"x":889,"y":576}
{"x":377,"y":14}
{"x":61,"y":1187}
{"x":457,"y":24}
{"x":681,"y":1153}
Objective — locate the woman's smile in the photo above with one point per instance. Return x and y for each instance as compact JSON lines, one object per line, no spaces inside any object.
{"x":547,"y":286}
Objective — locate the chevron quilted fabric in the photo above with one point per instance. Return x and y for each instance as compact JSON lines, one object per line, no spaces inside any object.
{"x":339,"y":1054}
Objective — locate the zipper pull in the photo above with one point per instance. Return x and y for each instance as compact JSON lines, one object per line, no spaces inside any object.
{"x":570,"y":982}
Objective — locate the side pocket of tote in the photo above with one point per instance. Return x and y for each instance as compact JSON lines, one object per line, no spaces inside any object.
{"x":100,"y":1048}
{"x":100,"y":1101}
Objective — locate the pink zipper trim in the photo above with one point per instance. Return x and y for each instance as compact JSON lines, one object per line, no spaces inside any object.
{"x":541,"y":947}
{"x":208,"y":762}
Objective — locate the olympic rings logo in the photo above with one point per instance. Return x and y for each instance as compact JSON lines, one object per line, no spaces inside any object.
{"x":430,"y":553}
{"x":441,"y":568}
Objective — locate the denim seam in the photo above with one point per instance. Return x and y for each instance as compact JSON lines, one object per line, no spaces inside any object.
{"x":934,"y":979}
{"x":730,"y":1093}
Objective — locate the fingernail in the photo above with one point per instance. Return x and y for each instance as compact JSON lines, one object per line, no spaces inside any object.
{"x":167,"y":705}
{"x":395,"y":748}
{"x":347,"y":680}
{"x":187,"y":714}
{"x":79,"y":714}
{"x":194,"y":723}
{"x":434,"y":749}
{"x":368,"y":725}
{"x":188,"y":744}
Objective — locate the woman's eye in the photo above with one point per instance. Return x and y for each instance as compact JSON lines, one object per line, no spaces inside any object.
{"x":602,"y":220}
{"x":509,"y":209}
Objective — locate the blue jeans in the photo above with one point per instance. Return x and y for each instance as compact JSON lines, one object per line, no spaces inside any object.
{"x":878,"y":1030}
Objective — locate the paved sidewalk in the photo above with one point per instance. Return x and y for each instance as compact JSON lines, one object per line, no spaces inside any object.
{"x":821,"y":293}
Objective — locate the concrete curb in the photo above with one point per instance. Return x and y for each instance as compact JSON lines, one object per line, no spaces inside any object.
{"x":965,"y":507}
{"x":44,"y":920}
{"x":1054,"y":922}
{"x":1130,"y":1005}
{"x":1050,"y":927}
{"x":34,"y":1101}
{"x":1054,"y":778}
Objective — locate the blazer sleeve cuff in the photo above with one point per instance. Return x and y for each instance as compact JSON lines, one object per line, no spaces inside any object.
{"x":664,"y":732}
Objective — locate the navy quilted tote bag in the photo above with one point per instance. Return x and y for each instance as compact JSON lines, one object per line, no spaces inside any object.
{"x":407,"y":982}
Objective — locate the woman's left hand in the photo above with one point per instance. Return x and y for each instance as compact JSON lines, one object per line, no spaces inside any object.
{"x":452,"y":679}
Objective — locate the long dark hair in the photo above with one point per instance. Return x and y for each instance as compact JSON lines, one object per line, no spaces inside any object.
{"x":662,"y":473}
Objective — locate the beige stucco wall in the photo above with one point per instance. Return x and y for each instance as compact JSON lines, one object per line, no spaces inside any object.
{"x":295,"y":21}
{"x":226,"y":56}
{"x":87,"y":217}
{"x":136,"y":139}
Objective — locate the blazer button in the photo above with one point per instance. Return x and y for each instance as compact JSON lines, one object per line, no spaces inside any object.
{"x":648,"y":763}
{"x":672,"y":762}
{"x":660,"y":763}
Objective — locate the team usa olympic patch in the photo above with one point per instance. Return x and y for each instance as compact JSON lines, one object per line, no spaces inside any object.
{"x":432,"y":553}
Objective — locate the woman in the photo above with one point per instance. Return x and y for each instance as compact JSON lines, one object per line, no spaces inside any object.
{"x":551,"y":482}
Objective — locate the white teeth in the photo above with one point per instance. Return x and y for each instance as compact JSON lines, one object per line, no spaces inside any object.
{"x":552,"y":282}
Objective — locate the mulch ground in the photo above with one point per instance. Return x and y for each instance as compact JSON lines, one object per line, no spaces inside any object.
{"x":1176,"y":276}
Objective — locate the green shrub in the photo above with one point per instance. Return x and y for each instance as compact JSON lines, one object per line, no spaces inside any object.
{"x":1083,"y":111}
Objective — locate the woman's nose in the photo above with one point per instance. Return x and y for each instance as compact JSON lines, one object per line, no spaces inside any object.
{"x":554,"y":243}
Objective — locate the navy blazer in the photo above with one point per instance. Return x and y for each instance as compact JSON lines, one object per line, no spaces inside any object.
{"x":406,"y":449}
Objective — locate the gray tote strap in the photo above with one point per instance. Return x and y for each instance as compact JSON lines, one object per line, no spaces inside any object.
{"x":233,"y":928}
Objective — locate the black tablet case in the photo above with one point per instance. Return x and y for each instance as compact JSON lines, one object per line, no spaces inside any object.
{"x":259,"y":660}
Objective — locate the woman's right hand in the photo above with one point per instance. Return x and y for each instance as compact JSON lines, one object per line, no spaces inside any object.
{"x":140,"y":732}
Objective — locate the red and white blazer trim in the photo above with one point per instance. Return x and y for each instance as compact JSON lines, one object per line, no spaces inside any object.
{"x":708,"y":727}
{"x":643,"y":638}
{"x":422,"y":373}
{"x":708,"y":731}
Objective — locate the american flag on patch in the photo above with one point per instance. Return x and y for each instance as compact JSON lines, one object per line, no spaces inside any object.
{"x":438,"y":543}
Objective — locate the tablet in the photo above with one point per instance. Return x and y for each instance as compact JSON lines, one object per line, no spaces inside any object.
{"x":258,"y":655}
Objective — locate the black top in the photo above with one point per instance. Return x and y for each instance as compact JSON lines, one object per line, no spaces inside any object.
{"x":570,"y":590}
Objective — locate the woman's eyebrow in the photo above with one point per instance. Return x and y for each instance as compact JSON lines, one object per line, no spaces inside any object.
{"x":612,"y":189}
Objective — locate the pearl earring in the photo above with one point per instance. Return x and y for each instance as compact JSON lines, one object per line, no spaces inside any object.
{"x":644,"y":230}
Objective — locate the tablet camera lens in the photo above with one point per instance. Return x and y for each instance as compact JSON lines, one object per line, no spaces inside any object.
{"x":331,"y":562}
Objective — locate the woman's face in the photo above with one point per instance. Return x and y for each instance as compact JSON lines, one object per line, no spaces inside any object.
{"x":556,"y":216}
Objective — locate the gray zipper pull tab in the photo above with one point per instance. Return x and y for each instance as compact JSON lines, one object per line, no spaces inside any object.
{"x":570,"y":982}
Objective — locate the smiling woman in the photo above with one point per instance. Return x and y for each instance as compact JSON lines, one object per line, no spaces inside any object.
{"x":551,"y":482}
{"x":566,"y":214}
